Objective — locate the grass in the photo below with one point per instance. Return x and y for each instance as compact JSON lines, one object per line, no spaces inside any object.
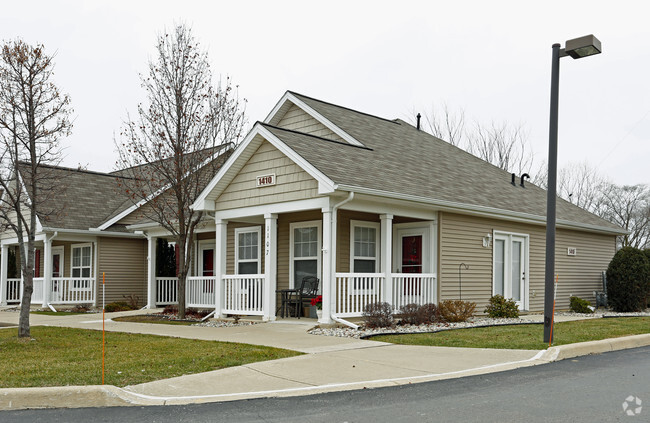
{"x":63,"y":356}
{"x":526,"y":337}
{"x":151,"y":318}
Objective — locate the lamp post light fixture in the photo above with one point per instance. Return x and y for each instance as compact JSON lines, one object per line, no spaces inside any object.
{"x":577,"y":49}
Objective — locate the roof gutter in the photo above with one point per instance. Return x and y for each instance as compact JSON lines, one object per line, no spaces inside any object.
{"x":93,"y":232}
{"x":482,"y":210}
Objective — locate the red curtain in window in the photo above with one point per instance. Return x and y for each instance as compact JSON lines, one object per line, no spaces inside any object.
{"x":37,"y":264}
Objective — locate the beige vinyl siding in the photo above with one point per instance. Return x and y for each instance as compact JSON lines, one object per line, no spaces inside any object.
{"x":580,"y":275}
{"x":292,"y":182}
{"x":297,"y":119}
{"x":461,"y":241}
{"x":125,"y":263}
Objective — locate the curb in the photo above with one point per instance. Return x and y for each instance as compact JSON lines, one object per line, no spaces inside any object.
{"x":112,"y":396}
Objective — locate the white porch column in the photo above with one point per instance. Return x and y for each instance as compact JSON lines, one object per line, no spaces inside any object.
{"x":221,"y":245}
{"x":270,"y":264}
{"x":151,"y":272}
{"x":387,"y":255}
{"x":3,"y":275}
{"x":329,"y":268}
{"x":47,"y":267}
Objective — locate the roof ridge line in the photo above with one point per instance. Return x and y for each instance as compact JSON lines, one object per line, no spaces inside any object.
{"x":345,"y":108}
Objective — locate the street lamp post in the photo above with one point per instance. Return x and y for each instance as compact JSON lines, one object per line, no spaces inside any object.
{"x":576,"y":48}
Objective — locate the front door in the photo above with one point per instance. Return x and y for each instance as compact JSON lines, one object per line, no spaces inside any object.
{"x":206,"y":266}
{"x":57,"y":266}
{"x":510,"y":267}
{"x":412,"y":257}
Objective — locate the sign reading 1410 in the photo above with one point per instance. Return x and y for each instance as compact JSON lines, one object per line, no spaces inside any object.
{"x":265,"y":180}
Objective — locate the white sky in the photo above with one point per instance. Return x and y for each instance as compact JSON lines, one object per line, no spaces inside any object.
{"x":382,"y":57}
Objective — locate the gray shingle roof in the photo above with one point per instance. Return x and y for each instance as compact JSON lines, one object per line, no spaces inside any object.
{"x":84,"y":199}
{"x":400,"y":159}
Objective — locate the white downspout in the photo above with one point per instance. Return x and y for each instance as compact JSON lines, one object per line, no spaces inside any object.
{"x":47,"y":261}
{"x":332,"y":258}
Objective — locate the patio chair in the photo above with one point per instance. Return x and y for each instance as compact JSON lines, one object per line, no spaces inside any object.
{"x":308,"y":290}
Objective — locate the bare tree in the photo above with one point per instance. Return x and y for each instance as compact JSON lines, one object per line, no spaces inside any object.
{"x":503,"y":145}
{"x":629,"y":207}
{"x":175,"y":145}
{"x":34,"y":115}
{"x":577,"y":182}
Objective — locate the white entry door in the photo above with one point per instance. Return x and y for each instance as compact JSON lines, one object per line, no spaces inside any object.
{"x":510,"y":260}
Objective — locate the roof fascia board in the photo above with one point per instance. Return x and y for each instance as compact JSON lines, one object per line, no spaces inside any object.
{"x":93,"y":232}
{"x":325,"y":185}
{"x":313,"y":113}
{"x":140,"y":203}
{"x":39,"y":227}
{"x":201,"y":202}
{"x":482,"y":211}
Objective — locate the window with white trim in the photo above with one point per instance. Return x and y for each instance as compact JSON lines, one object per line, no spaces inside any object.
{"x":364,"y":247}
{"x":305,"y":251}
{"x":248,"y":250}
{"x":81,"y":265}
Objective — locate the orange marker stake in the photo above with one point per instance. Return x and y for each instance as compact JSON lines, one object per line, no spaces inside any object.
{"x":103,"y":324}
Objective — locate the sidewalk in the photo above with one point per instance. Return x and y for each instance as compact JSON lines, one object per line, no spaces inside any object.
{"x":330,"y":364}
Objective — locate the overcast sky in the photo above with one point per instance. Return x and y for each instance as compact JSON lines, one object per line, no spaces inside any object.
{"x":388,"y":58}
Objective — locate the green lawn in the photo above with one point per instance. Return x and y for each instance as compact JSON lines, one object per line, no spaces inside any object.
{"x":526,"y":337}
{"x":64,"y":356}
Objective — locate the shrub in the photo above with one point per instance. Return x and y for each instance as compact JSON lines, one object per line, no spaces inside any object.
{"x":81,"y":308}
{"x":627,"y":280}
{"x":132,"y":300}
{"x":117,"y":306}
{"x":456,"y":310}
{"x":429,"y":313}
{"x":580,"y":306}
{"x":501,"y":307}
{"x":410,"y":314}
{"x":378,"y":315}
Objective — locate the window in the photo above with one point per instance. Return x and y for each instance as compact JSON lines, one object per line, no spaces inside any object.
{"x":305,"y":251}
{"x":364,"y":247}
{"x":247,"y":250}
{"x":81,"y":265}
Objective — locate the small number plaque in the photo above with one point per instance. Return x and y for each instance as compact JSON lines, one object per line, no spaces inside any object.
{"x":265,"y":180}
{"x":572,"y":251}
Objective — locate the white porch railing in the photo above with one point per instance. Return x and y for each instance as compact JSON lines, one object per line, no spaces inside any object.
{"x":354,"y":291}
{"x":37,"y":293}
{"x":199,"y":291}
{"x":72,"y":291}
{"x":62,"y":290}
{"x":14,"y":290}
{"x":408,"y":288}
{"x":243,"y":294}
{"x":166,"y":291}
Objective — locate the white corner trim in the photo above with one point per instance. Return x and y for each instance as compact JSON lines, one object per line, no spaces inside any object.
{"x":313,"y":113}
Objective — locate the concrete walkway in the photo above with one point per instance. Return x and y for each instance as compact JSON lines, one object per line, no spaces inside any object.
{"x":330,"y":364}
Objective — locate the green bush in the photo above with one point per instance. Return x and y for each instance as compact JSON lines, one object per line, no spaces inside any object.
{"x":378,"y":315}
{"x":500,"y":307}
{"x":456,"y":310}
{"x":117,"y":306}
{"x":579,"y":305}
{"x":627,"y":280}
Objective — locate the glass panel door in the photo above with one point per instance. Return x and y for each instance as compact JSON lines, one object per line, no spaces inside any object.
{"x":516,"y":261}
{"x":412,"y":254}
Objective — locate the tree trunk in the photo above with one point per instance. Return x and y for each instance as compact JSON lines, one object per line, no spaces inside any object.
{"x":182,"y":277}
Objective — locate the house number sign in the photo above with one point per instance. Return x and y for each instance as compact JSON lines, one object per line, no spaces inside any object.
{"x":265,"y":180}
{"x":572,"y":251}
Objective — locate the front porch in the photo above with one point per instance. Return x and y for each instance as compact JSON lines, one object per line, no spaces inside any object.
{"x":55,"y":282}
{"x":360,"y":257}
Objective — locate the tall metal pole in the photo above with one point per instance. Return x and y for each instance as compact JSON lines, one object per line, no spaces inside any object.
{"x":551,"y":195}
